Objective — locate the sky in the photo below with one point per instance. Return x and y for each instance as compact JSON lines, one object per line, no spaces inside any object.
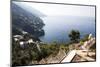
{"x":58,"y":9}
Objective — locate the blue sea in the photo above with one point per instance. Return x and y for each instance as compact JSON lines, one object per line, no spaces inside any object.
{"x":57,"y":28}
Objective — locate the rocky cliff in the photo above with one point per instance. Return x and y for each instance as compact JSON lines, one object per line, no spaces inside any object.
{"x":22,"y":20}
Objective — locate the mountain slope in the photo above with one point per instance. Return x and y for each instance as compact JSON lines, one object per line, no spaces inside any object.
{"x":23,"y":20}
{"x":30,"y":9}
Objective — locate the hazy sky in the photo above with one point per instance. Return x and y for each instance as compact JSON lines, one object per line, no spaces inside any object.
{"x":56,"y":9}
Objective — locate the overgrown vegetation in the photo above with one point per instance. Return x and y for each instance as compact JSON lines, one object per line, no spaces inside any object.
{"x":27,"y":53}
{"x":85,"y":38}
{"x":24,"y":55}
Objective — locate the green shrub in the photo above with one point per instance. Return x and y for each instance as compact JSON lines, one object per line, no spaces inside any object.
{"x":81,"y":42}
{"x":74,"y":36}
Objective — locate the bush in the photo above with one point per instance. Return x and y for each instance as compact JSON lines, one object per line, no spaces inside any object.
{"x":81,"y":42}
{"x":85,"y":38}
{"x":74,"y":35}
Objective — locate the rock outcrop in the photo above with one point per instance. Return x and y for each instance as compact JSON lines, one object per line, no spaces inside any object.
{"x":22,"y":20}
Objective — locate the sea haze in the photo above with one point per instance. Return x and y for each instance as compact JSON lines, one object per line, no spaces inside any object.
{"x":57,"y":28}
{"x":60,"y":20}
